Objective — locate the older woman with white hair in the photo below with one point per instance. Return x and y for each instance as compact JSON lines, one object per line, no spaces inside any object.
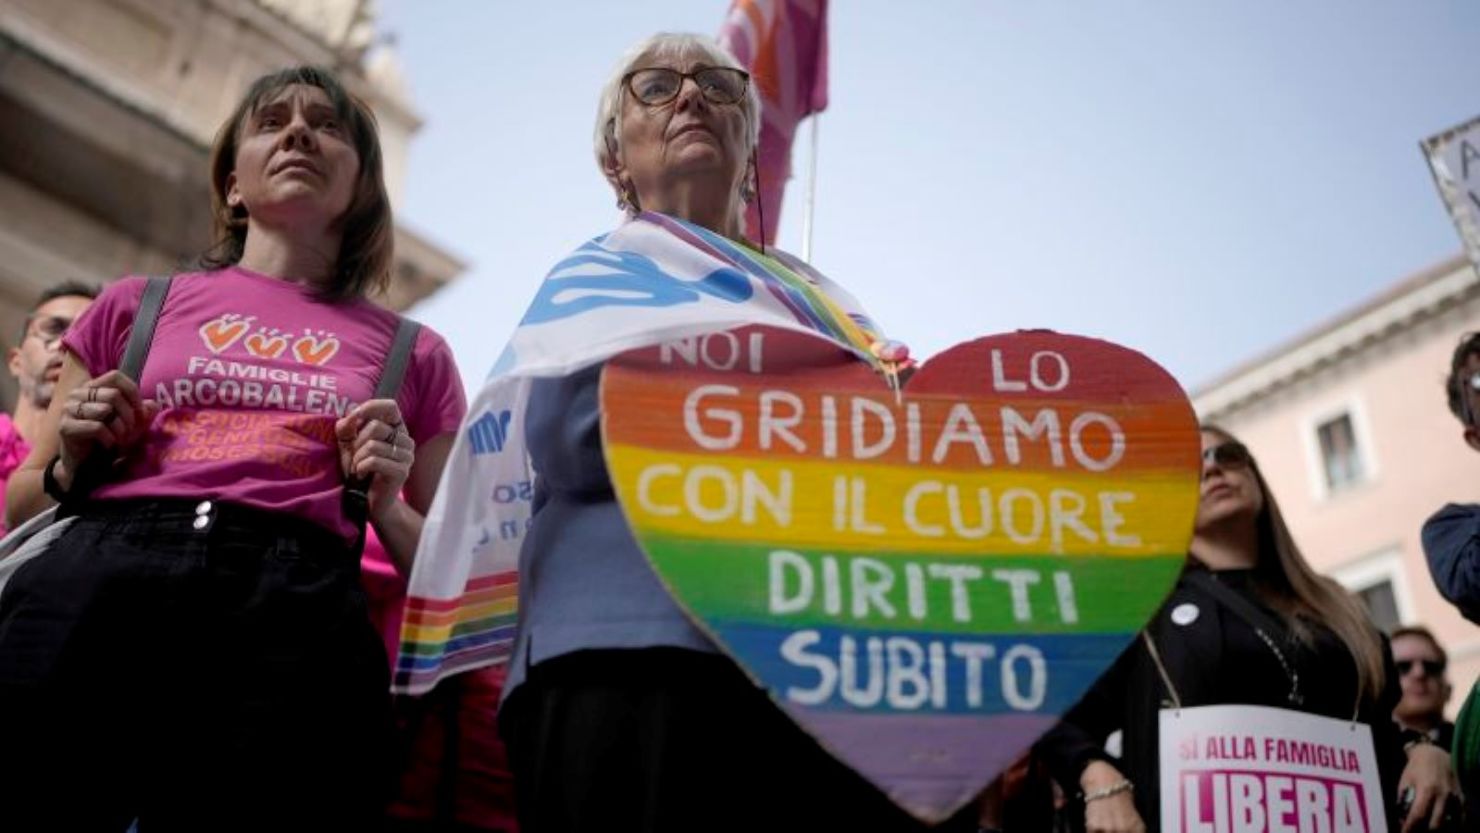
{"x":620,"y":713}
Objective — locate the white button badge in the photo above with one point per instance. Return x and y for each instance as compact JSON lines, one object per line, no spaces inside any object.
{"x":1185,"y":614}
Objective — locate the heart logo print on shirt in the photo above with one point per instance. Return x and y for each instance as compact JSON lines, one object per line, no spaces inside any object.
{"x":314,"y":351}
{"x":220,"y":333}
{"x":265,"y":346}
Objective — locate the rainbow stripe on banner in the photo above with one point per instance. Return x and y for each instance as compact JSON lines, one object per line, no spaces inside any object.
{"x":469,"y":631}
{"x":782,"y":277}
{"x":923,"y":581}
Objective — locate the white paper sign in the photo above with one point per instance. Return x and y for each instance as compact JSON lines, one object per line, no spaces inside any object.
{"x":1454,"y":157}
{"x":1252,"y":769}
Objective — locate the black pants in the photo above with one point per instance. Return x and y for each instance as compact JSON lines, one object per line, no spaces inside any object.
{"x":664,"y":739}
{"x":220,"y":677}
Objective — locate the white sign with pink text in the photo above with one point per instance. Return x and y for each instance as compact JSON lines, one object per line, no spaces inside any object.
{"x":1253,"y":769}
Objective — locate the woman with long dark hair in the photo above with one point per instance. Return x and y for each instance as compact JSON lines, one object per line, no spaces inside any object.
{"x":1312,"y":649}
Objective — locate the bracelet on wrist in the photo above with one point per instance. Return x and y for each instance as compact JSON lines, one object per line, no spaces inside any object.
{"x":1122,"y":786}
{"x":1413,"y":737}
{"x":49,"y":482}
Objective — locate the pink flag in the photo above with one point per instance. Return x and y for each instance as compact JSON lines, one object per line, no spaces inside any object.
{"x":784,"y":45}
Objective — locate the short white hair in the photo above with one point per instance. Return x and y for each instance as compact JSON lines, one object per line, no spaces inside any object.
{"x":666,"y":45}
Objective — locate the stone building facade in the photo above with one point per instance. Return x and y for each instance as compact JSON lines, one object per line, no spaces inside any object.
{"x":107,"y":113}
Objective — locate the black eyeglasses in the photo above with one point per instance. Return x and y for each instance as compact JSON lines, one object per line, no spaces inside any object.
{"x":659,"y":85}
{"x":49,"y":329}
{"x":1229,"y":455}
{"x":1464,"y":399}
{"x":1431,"y":667}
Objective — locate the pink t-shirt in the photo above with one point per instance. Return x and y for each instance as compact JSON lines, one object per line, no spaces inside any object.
{"x":251,"y":373}
{"x":13,"y":452}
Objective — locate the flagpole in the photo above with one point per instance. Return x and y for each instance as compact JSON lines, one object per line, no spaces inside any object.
{"x":811,"y":194}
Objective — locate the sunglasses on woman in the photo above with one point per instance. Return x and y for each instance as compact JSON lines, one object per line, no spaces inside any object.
{"x":1431,"y":667}
{"x":1229,"y":455}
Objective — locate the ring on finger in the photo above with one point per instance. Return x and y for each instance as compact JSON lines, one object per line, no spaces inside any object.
{"x":77,"y":412}
{"x":92,"y":393}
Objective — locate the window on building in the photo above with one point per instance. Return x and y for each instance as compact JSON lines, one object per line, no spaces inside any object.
{"x":1340,"y":456}
{"x":1381,"y":583}
{"x":1382,"y":604}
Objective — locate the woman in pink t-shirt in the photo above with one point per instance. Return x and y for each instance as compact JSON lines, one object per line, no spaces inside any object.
{"x":194,"y":651}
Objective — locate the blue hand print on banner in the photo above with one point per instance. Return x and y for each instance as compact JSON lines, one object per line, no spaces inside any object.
{"x":626,"y":279}
{"x":490,"y":432}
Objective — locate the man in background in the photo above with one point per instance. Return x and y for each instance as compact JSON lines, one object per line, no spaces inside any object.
{"x":36,"y":362}
{"x":1422,"y":663}
{"x":1451,"y":537}
{"x":1451,"y":542}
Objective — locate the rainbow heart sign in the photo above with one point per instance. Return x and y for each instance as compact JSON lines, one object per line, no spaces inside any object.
{"x":924,"y":581}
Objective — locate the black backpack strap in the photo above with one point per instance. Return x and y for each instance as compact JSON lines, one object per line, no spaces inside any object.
{"x":144,"y":322}
{"x":392,"y":374}
{"x":98,"y":467}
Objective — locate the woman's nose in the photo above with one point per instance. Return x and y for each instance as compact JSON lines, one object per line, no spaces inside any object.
{"x":690,"y":94}
{"x":298,"y":133}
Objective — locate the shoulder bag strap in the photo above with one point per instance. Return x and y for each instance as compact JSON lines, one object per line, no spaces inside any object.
{"x":1255,"y":616}
{"x":145,"y":320}
{"x":1245,"y":609}
{"x":98,"y":466}
{"x":392,"y":374}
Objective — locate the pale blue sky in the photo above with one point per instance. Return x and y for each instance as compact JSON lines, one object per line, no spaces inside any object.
{"x":1199,"y":181}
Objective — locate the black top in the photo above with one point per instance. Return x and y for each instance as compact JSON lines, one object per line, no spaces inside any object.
{"x":1215,"y":658}
{"x":1442,"y":735}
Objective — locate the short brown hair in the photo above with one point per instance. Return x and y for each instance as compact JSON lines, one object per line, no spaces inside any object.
{"x":366,"y":247}
{"x":1455,"y":387}
{"x":1425,"y":633}
{"x":65,"y":289}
